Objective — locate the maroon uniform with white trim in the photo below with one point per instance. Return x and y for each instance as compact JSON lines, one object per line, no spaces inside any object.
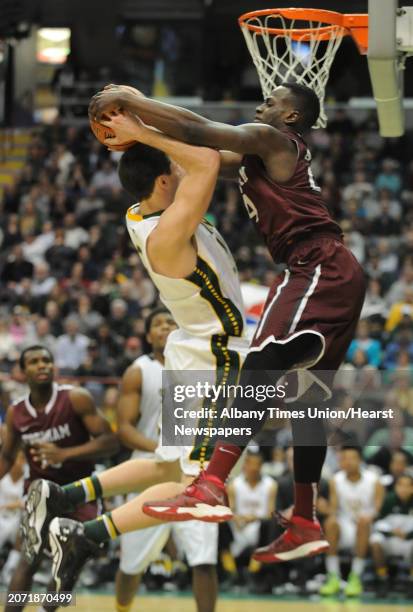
{"x":57,"y":423}
{"x":322,"y":289}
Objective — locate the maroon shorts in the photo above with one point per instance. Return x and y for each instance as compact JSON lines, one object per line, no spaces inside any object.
{"x":321,"y":292}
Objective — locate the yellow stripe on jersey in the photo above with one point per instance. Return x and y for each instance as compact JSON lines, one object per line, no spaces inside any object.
{"x":132,"y":216}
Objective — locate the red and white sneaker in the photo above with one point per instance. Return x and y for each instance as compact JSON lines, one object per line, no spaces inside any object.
{"x":205,"y":499}
{"x":302,"y":538}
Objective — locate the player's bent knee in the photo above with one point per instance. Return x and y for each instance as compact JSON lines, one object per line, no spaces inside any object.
{"x":364,"y":522}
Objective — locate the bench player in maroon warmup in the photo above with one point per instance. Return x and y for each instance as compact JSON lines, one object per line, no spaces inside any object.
{"x":313,"y":307}
{"x":62,"y":434}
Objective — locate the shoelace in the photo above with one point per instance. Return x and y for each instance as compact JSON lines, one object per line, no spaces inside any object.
{"x":281,"y":519}
{"x":191,"y":488}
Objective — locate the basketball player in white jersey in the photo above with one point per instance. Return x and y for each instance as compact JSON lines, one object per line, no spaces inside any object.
{"x":139,"y":411}
{"x":195,"y":273}
{"x":356,"y":497}
{"x":252,"y":498}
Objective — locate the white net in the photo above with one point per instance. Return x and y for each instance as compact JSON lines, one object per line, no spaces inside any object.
{"x":291,"y":56}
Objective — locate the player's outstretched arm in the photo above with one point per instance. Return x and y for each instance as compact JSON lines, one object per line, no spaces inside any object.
{"x":186,"y":126}
{"x":128,"y":412}
{"x":11,"y":445}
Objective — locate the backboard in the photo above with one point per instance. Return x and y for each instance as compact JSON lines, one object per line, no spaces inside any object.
{"x":390,"y":42}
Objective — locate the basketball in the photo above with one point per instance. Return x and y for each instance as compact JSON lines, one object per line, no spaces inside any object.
{"x":102,"y":132}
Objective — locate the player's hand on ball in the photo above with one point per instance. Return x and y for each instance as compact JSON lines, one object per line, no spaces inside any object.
{"x":48,"y":453}
{"x":113,"y":97}
{"x":131,"y":90}
{"x":125,"y":126}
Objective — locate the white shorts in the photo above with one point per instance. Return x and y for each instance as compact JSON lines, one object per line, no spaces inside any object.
{"x":186,"y":352}
{"x":348,"y":532}
{"x":183,"y":353}
{"x":394,"y":547}
{"x":197,"y":540}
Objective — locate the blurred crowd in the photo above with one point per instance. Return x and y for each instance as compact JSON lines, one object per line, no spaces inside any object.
{"x":70,"y":280}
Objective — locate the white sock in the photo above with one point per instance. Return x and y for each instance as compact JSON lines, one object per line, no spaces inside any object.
{"x":333,"y":565}
{"x":357,"y":566}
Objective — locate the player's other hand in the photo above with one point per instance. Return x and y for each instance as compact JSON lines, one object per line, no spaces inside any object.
{"x":128,"y":88}
{"x":113,"y":97}
{"x":48,"y":453}
{"x":127,"y":127}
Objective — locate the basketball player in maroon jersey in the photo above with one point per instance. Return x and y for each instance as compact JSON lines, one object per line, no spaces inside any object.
{"x":62,"y":434}
{"x":313,"y":307}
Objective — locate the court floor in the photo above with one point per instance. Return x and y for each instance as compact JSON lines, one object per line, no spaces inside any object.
{"x":171,"y":603}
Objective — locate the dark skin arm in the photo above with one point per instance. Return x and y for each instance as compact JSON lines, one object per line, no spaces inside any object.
{"x":128,"y":412}
{"x":103,"y":442}
{"x":278,"y":152}
{"x":230,"y":163}
{"x":10,"y":446}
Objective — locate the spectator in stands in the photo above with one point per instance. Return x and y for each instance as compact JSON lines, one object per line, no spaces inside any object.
{"x":132,"y":350}
{"x":384,"y":224}
{"x":276,"y":467}
{"x":64,"y":160}
{"x":59,"y":256}
{"x":360,"y":189}
{"x":252,"y":500}
{"x":8,"y":347}
{"x":109,"y":345}
{"x":16,"y":267}
{"x":374,"y":303}
{"x":404,"y":283}
{"x":402,"y":341}
{"x":400,"y":310}
{"x":394,"y":435}
{"x":90,"y":265}
{"x":106,"y":180}
{"x":370,"y":347}
{"x":399,"y":464}
{"x":356,"y":496}
{"x":89,"y":319}
{"x":43,"y":282}
{"x":21,"y":327}
{"x":118,"y":320}
{"x":74,"y":234}
{"x":53,"y":314}
{"x":389,"y":177}
{"x":393,"y":533}
{"x":11,"y":235}
{"x":71,"y":347}
{"x":43,"y":335}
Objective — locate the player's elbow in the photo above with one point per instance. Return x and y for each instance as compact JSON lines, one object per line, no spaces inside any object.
{"x":208,"y":161}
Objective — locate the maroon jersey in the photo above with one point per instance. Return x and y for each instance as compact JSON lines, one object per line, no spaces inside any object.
{"x":57,"y":423}
{"x":285,"y":212}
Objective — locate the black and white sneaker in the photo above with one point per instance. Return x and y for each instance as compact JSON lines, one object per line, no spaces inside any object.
{"x":45,"y":500}
{"x":70,"y":550}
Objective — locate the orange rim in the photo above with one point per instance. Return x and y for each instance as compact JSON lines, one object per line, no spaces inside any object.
{"x":355,"y":25}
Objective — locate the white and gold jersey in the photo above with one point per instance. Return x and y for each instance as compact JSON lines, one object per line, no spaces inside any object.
{"x":208,"y":309}
{"x":209,"y":300}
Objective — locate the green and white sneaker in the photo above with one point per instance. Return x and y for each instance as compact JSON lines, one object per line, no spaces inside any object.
{"x":332,"y":586}
{"x":354,"y":587}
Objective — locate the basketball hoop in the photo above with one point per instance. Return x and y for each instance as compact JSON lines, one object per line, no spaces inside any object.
{"x":299,"y":45}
